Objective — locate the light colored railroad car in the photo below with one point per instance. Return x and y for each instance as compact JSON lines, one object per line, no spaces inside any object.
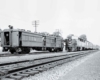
{"x":90,"y":46}
{"x":87,"y":45}
{"x":94,"y":47}
{"x":19,"y":40}
{"x":50,"y":41}
{"x":59,"y":43}
{"x":53,"y":43}
{"x":79,"y":45}
{"x":33,"y":40}
{"x":97,"y":47}
{"x":0,"y":37}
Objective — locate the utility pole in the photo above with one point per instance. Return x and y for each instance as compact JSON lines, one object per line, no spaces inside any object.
{"x":35,"y":23}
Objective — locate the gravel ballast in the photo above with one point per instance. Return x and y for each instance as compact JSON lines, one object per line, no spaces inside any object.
{"x":28,"y":57}
{"x":33,"y":56}
{"x":89,"y":70}
{"x":58,"y":72}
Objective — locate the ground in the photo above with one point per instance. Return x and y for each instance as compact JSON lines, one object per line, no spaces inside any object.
{"x":86,"y":68}
{"x":89,"y":70}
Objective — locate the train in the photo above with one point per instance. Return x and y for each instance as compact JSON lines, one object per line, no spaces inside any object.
{"x":21,"y":41}
{"x":73,"y":43}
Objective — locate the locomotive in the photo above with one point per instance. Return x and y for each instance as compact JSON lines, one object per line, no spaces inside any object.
{"x":21,"y":41}
{"x":74,"y":43}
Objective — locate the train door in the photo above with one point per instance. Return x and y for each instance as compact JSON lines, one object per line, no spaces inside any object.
{"x":7,"y":38}
{"x":66,"y":44}
{"x":20,"y":38}
{"x":55,"y":42}
{"x":44,"y":42}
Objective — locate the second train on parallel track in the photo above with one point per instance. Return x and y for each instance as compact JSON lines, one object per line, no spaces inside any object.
{"x":74,"y":43}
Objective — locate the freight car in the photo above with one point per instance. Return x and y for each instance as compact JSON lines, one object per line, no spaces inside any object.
{"x":21,"y":41}
{"x":75,"y":44}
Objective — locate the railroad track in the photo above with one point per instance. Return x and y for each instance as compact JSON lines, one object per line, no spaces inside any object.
{"x":5,"y":54}
{"x":19,"y":70}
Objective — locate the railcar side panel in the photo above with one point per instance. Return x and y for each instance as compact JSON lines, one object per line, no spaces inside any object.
{"x":2,"y":39}
{"x":79,"y":43}
{"x":32,"y":40}
{"x":50,"y":41}
{"x":58,"y":42}
{"x":15,"y":39}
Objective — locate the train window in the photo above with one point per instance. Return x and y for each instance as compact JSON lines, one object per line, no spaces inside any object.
{"x":20,"y":38}
{"x":55,"y":40}
{"x":24,"y":37}
{"x":29,"y":38}
{"x":43,"y":38}
{"x":52,"y":40}
{"x":32,"y":38}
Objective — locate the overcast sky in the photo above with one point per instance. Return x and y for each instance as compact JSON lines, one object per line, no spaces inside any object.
{"x":70,"y":16}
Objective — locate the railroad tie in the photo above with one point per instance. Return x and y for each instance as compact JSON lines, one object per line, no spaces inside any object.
{"x":31,"y":72}
{"x":16,"y":77}
{"x":7,"y":79}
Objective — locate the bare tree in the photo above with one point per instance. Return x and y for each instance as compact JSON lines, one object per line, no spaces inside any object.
{"x":57,"y":32}
{"x":83,"y":37}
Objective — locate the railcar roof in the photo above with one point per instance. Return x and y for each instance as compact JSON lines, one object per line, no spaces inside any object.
{"x":27,"y":31}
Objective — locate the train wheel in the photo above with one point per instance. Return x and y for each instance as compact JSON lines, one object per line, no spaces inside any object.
{"x":61,"y":49}
{"x":25,"y":50}
{"x":78,"y":49}
{"x":57,"y":50}
{"x":12,"y":51}
{"x":74,"y":49}
{"x":19,"y":52}
{"x":50,"y":50}
{"x":28,"y":50}
{"x":54,"y":50}
{"x":68,"y":49}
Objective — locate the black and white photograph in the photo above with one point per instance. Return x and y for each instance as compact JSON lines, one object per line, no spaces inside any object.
{"x":49,"y":39}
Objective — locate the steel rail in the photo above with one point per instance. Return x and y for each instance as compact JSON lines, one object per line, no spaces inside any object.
{"x":10,"y":72}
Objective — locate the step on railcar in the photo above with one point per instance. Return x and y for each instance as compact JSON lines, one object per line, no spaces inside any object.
{"x":21,"y":41}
